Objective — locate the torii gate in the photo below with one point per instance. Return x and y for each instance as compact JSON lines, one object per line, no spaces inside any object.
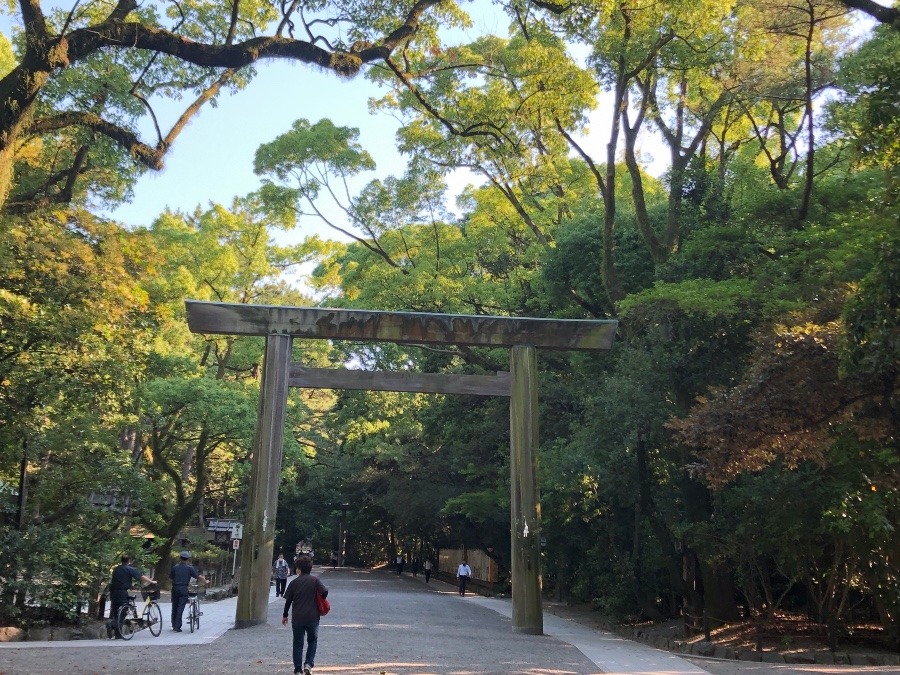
{"x":279,"y":325}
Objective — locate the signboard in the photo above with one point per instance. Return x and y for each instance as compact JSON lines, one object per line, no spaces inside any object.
{"x":237,"y":531}
{"x":220,"y":524}
{"x":235,"y":544}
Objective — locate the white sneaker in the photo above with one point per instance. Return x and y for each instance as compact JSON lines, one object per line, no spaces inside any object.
{"x":307,"y":670}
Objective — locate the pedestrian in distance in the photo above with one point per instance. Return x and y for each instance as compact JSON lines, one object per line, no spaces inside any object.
{"x":427,"y":569}
{"x":282,"y":571}
{"x":399,"y":565}
{"x":181,"y":576}
{"x":415,"y":566}
{"x":463,"y":572}
{"x":120,"y":583}
{"x":300,"y":602}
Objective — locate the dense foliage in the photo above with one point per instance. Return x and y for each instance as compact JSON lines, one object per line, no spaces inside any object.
{"x":736,"y":453}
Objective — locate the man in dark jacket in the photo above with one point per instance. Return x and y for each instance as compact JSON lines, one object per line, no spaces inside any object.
{"x":181,"y":576}
{"x":119,"y":585}
{"x":301,"y":593}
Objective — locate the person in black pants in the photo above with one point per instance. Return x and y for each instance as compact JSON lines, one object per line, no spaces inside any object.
{"x":181,"y":576}
{"x":281,"y":570}
{"x":463,"y":573}
{"x":119,"y":586}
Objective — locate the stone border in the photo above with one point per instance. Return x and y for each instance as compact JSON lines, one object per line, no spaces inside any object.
{"x":818,"y":656}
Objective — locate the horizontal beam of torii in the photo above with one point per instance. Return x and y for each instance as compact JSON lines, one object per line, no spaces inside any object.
{"x":403,"y":327}
{"x":279,"y":325}
{"x":414,"y":383}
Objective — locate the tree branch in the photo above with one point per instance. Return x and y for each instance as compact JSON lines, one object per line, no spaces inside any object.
{"x":143,"y":153}
{"x":886,"y":15}
{"x":36,"y":200}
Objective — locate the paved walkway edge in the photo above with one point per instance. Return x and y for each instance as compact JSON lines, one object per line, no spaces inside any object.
{"x":611,"y":653}
{"x":217,"y":618}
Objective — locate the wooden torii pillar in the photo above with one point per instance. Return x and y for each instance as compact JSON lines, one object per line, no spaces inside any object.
{"x":279,"y":325}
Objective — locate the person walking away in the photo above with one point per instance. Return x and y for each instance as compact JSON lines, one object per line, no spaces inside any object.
{"x":463,"y":572}
{"x":399,"y":565}
{"x":427,"y":568}
{"x":120,"y":583}
{"x":300,"y":601}
{"x":281,"y":570}
{"x":415,"y":565}
{"x":181,"y":576}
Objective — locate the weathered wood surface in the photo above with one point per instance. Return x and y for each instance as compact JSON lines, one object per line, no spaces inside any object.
{"x":420,"y":383}
{"x":525,"y":499}
{"x":265,"y":480}
{"x":402,"y":327}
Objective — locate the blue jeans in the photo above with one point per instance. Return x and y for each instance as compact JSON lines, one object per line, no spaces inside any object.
{"x":311,"y":631}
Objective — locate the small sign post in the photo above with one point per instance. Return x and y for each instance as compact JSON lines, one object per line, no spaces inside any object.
{"x":235,"y":545}
{"x":237,"y":533}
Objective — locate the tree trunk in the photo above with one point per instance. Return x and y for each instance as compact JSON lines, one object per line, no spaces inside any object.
{"x":165,"y":563}
{"x":22,"y":499}
{"x":672,"y":239}
{"x":811,"y":128}
{"x":719,"y":594}
{"x":15,"y":116}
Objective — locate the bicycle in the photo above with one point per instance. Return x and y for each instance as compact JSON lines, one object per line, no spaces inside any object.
{"x":194,"y":613}
{"x":150,"y":616}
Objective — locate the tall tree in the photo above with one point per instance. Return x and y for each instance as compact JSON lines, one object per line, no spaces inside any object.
{"x":137,"y":52}
{"x":199,"y":402}
{"x":74,"y":330}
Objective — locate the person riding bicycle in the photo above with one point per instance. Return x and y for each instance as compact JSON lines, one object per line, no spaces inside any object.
{"x":119,"y":586}
{"x":181,"y":576}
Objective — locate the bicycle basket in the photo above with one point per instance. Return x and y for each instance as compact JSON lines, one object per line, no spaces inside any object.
{"x":150,"y":592}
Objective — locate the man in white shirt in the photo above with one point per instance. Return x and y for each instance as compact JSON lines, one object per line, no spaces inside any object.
{"x":427,"y":567}
{"x":463,"y":572}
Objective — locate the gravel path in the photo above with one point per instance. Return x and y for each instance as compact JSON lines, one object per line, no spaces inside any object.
{"x":378,"y":624}
{"x":383,"y":625}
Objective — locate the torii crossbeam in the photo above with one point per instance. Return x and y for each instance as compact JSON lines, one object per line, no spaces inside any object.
{"x":279,"y":325}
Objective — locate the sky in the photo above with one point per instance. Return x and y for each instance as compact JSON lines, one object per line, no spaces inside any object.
{"x":212,"y":159}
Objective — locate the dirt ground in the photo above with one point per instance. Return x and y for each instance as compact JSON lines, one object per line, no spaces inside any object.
{"x":788,"y":635}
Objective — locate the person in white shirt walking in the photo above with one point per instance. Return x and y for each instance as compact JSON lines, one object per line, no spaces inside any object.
{"x":427,"y":566}
{"x":463,"y":572}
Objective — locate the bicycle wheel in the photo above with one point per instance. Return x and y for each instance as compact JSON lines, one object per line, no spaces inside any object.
{"x":197,"y":615}
{"x":153,"y":619}
{"x":191,"y":612}
{"x":126,"y":621}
